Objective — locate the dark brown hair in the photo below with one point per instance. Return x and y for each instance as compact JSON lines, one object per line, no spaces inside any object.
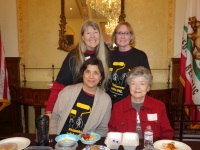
{"x":93,"y":61}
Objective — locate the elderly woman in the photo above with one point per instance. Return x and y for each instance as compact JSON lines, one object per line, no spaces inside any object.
{"x":138,"y":110}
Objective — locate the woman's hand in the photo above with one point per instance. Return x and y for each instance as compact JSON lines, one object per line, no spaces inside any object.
{"x":48,"y":113}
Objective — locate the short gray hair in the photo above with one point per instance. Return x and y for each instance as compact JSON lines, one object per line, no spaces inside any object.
{"x":140,"y":71}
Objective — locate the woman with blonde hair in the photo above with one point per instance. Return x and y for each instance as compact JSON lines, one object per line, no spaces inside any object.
{"x":91,"y":44}
{"x":122,"y":60}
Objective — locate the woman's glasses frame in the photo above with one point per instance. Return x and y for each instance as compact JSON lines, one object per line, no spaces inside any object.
{"x":127,"y":33}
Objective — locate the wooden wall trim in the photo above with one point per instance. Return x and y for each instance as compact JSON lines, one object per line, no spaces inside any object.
{"x":175,"y":79}
{"x":13,"y":69}
{"x":10,"y":121}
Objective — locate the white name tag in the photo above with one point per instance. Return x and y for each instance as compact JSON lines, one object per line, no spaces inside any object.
{"x":152,"y":117}
{"x":86,"y":58}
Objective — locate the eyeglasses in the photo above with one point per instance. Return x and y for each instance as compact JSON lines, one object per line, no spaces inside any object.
{"x":140,"y":84}
{"x":123,"y":33}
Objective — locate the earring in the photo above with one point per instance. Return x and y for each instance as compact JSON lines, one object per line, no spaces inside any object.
{"x":100,"y":83}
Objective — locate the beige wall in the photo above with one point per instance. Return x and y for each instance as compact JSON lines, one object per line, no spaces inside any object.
{"x":39,"y":33}
{"x":150,"y":23}
{"x":8,"y":24}
{"x":39,"y":28}
{"x":39,"y":39}
{"x":180,"y":10}
{"x":8,"y":27}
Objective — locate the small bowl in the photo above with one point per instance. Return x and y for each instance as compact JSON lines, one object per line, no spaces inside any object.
{"x":60,"y":147}
{"x":67,"y":139}
{"x":90,"y":140}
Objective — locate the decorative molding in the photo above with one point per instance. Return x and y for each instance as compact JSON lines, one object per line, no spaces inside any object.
{"x":20,"y":35}
{"x":170,"y":27}
{"x":63,"y":43}
{"x":83,"y":9}
{"x":122,"y":14}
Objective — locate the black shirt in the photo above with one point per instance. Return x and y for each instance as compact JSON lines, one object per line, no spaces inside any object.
{"x":79,"y":114}
{"x":119,"y":64}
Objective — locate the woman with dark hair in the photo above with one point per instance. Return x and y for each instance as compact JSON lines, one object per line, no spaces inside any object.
{"x":83,"y":107}
{"x":91,"y":44}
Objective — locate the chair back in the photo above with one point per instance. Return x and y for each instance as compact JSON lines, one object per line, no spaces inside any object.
{"x":185,"y":120}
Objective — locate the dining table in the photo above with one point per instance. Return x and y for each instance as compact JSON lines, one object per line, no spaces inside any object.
{"x":195,"y":145}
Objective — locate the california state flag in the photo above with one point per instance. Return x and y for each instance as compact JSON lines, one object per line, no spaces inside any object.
{"x":4,"y":88}
{"x":190,"y":56}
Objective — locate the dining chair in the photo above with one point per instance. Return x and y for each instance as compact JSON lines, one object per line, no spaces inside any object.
{"x":185,"y":120}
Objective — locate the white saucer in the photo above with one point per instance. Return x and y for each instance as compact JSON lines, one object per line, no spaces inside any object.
{"x":177,"y":144}
{"x":100,"y":146}
{"x":20,"y":141}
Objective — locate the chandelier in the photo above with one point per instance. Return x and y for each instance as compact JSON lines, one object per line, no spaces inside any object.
{"x":108,"y":8}
{"x":109,"y":28}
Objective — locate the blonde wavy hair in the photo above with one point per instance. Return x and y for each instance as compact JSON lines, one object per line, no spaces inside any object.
{"x":101,"y":51}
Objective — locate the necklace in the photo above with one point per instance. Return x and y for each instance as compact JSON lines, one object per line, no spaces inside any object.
{"x":138,"y":127}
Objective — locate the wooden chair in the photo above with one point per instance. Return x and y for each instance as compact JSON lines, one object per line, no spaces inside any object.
{"x":182,"y":119}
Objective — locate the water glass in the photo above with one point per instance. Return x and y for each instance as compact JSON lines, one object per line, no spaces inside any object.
{"x":42,"y":130}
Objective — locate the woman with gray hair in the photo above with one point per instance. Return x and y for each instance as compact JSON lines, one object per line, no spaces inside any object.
{"x":138,"y":110}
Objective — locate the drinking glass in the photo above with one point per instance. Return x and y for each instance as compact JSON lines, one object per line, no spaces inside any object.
{"x":42,"y":130}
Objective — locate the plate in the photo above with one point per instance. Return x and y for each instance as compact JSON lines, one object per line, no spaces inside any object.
{"x":178,"y":145}
{"x":21,"y":142}
{"x":90,"y":142}
{"x":101,"y":147}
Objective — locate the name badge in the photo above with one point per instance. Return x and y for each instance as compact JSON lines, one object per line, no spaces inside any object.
{"x":152,"y":117}
{"x":86,"y":58}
